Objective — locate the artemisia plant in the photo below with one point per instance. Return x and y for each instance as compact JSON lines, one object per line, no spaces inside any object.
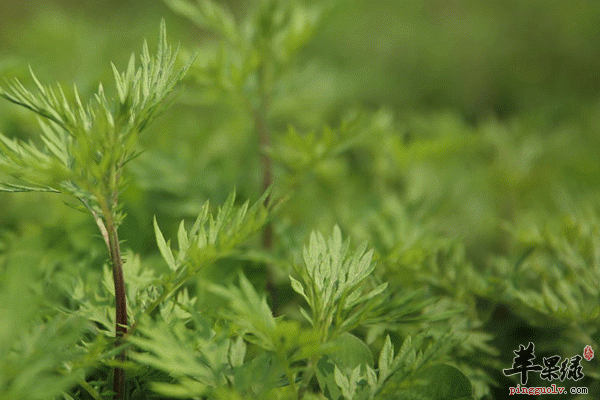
{"x":84,"y":149}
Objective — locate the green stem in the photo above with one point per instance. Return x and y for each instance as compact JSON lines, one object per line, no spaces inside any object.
{"x":261,"y":124}
{"x":306,"y":377}
{"x":288,"y":372}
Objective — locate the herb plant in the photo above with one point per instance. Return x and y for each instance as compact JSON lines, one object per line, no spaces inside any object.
{"x":311,"y":256}
{"x":87,"y":147}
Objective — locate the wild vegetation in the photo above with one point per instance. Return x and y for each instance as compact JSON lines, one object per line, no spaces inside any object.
{"x":269,"y":212}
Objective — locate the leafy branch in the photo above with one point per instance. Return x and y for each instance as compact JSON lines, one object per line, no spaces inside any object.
{"x":85,"y":148}
{"x":218,"y":364}
{"x":211,"y":237}
{"x":332,"y":283}
{"x":253,"y":56}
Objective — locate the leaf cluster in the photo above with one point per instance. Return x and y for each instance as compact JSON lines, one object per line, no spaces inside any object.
{"x":357,"y":323}
{"x":331,"y":283}
{"x":287,"y":354}
{"x":86,"y":146}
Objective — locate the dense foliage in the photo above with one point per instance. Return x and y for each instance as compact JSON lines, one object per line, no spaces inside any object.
{"x":303,"y":200}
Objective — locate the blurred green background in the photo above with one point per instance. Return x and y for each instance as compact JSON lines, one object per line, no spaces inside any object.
{"x":502,"y":57}
{"x":493,"y":109}
{"x":524,"y":73}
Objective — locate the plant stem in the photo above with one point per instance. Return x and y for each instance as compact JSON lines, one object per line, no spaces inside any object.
{"x":261,"y":124}
{"x":109,"y":230}
{"x":262,"y":127}
{"x":121,"y":305}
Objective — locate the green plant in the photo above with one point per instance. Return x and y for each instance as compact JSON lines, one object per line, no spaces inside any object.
{"x":457,"y":262}
{"x":85,"y":149}
{"x":216,"y":364}
{"x":84,"y":153}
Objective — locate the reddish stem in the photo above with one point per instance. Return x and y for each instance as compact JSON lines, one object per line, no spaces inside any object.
{"x":108,"y":229}
{"x":121,"y":308}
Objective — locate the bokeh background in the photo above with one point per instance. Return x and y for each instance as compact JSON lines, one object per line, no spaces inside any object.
{"x":527,"y":70}
{"x":496,"y":102}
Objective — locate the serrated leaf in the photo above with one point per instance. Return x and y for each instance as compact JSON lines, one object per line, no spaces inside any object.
{"x":297,"y":286}
{"x":237,"y":352}
{"x":119,"y":83}
{"x":164,"y":248}
{"x":372,"y":381}
{"x":186,"y":388}
{"x":550,"y":298}
{"x":386,"y":358}
{"x":363,"y":298}
{"x":342,"y":382}
{"x":9,"y":187}
{"x":305,"y":315}
{"x":182,"y":240}
{"x":405,"y":349}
